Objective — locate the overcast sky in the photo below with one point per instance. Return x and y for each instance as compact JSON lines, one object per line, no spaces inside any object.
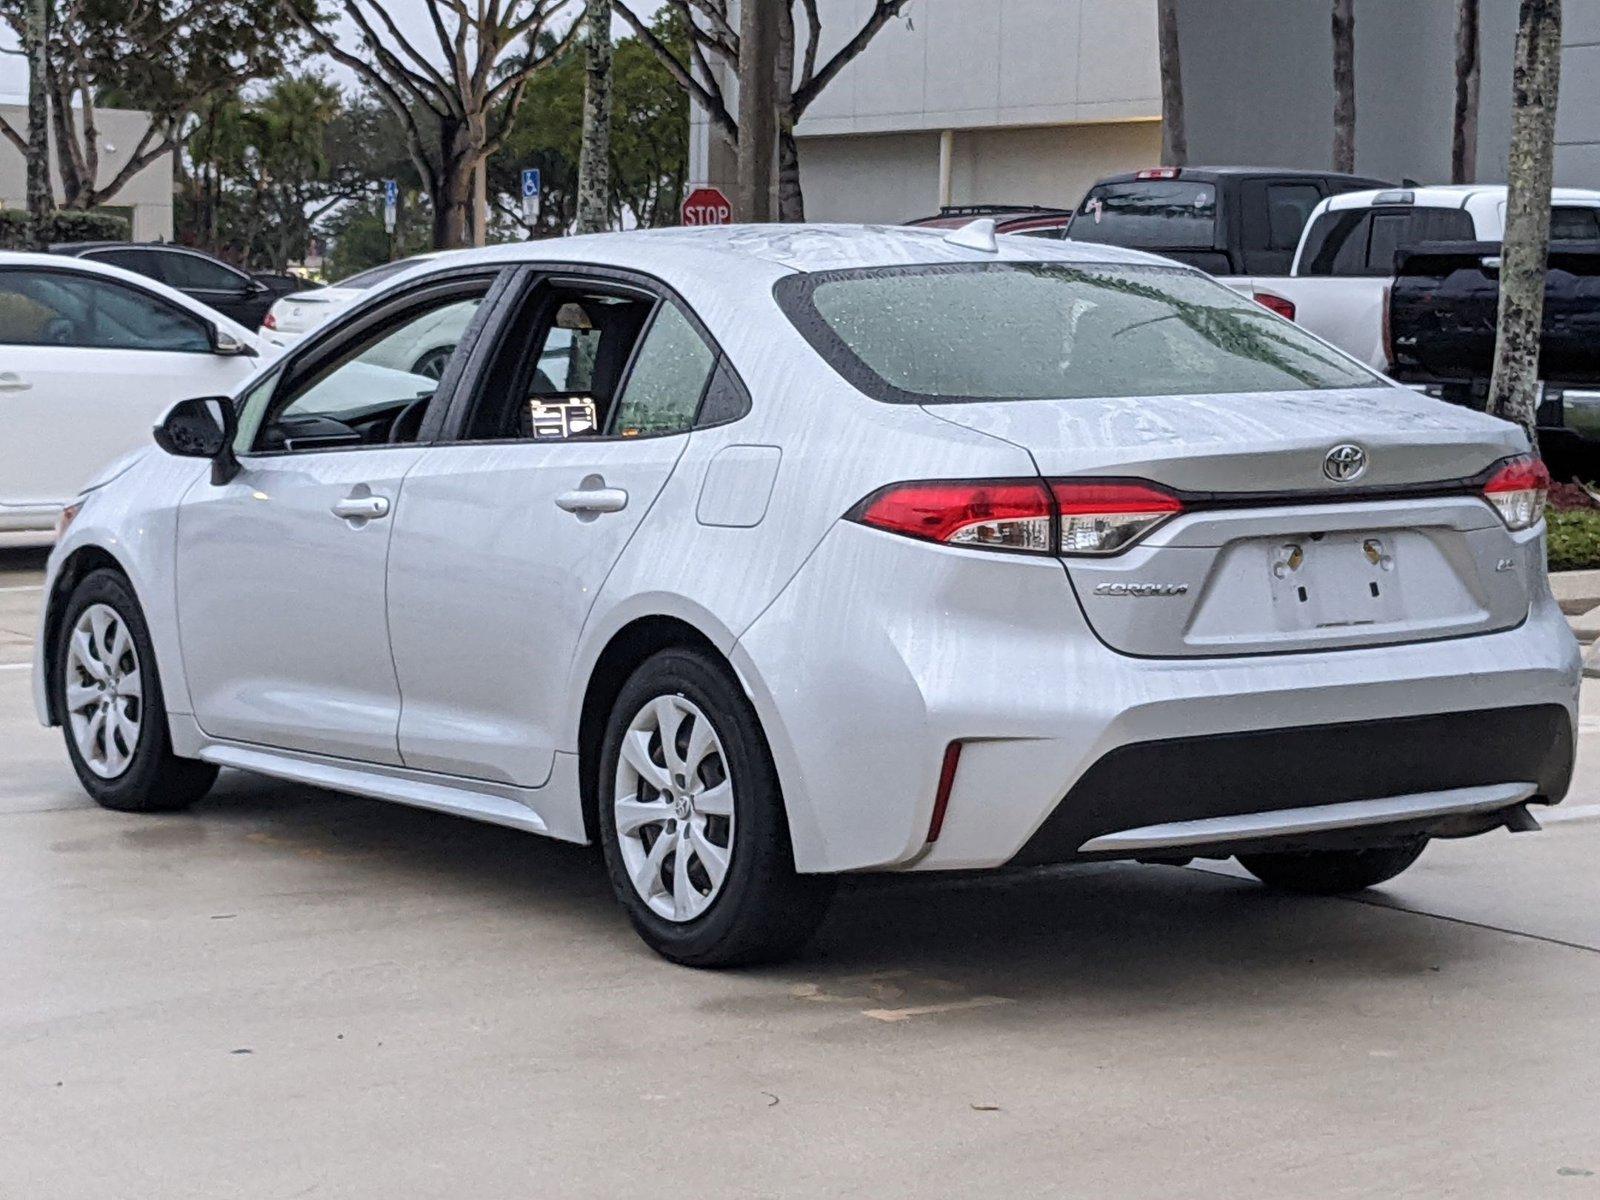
{"x":410,"y":15}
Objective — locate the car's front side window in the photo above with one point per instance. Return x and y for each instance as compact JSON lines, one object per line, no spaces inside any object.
{"x":373,"y":391}
{"x":60,"y":308}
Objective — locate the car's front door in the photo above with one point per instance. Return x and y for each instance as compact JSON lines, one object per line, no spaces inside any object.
{"x":507,"y":534}
{"x":280,"y":571}
{"x":87,"y":366}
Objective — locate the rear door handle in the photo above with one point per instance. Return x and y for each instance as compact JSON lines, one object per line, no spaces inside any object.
{"x":362,"y":508}
{"x":10,"y":381}
{"x":593,"y":500}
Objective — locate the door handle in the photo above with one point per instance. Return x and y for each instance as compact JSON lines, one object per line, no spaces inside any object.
{"x":593,"y":500}
{"x":10,"y":381}
{"x":362,"y":508}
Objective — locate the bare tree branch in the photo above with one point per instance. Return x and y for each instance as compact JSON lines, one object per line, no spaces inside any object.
{"x":882,"y":13}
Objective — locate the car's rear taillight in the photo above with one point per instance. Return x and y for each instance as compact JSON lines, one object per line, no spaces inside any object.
{"x":996,"y":514}
{"x":1064,"y":516}
{"x":1517,"y":489}
{"x":269,"y":322}
{"x":1284,"y":308}
{"x":1104,"y":517}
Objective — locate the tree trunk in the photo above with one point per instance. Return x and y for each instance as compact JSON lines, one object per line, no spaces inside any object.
{"x":758,"y":133}
{"x":41,"y":202}
{"x":1535,"y":83}
{"x":594,"y":158}
{"x":1344,"y":86}
{"x":1469,"y":74}
{"x":791,"y":198}
{"x":453,"y":201}
{"x":1174,"y":133}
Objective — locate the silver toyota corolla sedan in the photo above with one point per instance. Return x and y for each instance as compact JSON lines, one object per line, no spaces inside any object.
{"x":758,"y":555}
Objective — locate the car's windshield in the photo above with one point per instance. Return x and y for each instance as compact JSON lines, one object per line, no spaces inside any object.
{"x":1149,"y":214}
{"x":1031,"y":331}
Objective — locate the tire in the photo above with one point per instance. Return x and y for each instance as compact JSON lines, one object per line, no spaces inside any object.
{"x":761,"y":909}
{"x":129,"y":773}
{"x":1332,"y":872}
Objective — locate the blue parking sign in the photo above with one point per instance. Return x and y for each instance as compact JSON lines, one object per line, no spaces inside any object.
{"x":391,"y":191}
{"x":530,"y":183}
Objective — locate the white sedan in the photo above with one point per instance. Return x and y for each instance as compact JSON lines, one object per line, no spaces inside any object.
{"x":297,"y":314}
{"x":90,"y":357}
{"x":762,"y":555}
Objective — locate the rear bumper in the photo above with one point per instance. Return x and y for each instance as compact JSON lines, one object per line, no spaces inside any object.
{"x":1408,"y":774}
{"x":883,"y":651}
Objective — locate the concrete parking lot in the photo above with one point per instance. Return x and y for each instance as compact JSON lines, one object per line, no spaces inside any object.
{"x":290,"y":993}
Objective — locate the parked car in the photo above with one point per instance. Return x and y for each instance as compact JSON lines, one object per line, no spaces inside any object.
{"x":295,"y":315}
{"x":1231,"y":222}
{"x":237,"y":295}
{"x":1029,"y":220}
{"x":760,"y":554}
{"x":1342,"y":272}
{"x":90,"y":357}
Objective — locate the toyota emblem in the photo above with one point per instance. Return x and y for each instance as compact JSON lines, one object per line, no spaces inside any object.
{"x":1344,"y":463}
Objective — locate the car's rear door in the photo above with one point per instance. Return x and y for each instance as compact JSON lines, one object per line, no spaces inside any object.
{"x":280,"y":572}
{"x":509,"y":530}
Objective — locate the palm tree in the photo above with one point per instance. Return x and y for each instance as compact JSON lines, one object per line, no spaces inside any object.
{"x":594,"y":156}
{"x":1344,"y":86}
{"x":1174,"y":133}
{"x":1469,"y":73}
{"x":1535,"y":86}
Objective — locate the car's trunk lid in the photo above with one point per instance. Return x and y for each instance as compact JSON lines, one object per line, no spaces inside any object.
{"x":1272,"y":553}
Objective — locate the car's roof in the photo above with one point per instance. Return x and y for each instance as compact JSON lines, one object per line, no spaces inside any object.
{"x":75,"y":248}
{"x":774,"y":250}
{"x":1453,"y":195}
{"x":1204,"y":172}
{"x":90,"y":266}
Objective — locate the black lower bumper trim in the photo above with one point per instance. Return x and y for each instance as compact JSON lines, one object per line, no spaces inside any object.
{"x":1185,"y":779}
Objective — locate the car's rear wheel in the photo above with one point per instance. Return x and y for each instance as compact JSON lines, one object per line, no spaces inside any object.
{"x":109,"y":699}
{"x":692,"y":821}
{"x":1332,"y":872}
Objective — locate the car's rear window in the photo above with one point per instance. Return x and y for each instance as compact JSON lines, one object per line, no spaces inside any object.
{"x":1036,"y":331}
{"x":1148,"y":215}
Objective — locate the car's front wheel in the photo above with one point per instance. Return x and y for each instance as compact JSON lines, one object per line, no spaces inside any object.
{"x":692,"y":821}
{"x":1332,"y":872}
{"x":109,"y":699}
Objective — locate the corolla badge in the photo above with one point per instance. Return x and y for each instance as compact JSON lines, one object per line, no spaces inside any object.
{"x":1344,"y":463}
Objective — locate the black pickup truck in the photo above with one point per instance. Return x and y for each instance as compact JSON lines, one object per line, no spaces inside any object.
{"x":1440,"y":327}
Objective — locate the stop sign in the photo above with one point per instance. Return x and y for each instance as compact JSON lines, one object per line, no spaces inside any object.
{"x":707,"y":206}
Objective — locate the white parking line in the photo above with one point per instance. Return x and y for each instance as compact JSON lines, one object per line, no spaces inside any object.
{"x":15,"y":666}
{"x":31,"y":587}
{"x":1567,"y":812}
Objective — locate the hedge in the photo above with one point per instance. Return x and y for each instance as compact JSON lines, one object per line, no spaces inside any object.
{"x":63,"y":227}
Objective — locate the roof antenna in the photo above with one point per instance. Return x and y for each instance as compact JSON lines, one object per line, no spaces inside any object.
{"x":976,"y":235}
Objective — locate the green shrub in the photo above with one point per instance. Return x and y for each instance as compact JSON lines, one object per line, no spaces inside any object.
{"x":63,"y":227}
{"x":1574,"y":539}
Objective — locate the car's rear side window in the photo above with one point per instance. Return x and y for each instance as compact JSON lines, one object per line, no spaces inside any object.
{"x":1032,"y":331}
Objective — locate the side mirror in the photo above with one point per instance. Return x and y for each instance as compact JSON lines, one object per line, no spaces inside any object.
{"x":229,"y":346}
{"x":203,"y":428}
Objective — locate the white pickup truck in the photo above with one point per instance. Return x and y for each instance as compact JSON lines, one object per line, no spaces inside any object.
{"x":1335,"y":235}
{"x":1338,"y":284}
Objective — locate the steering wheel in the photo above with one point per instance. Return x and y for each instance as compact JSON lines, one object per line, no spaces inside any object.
{"x":408,"y":424}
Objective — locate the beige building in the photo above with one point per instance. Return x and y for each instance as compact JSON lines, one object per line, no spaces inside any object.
{"x":145,"y":200}
{"x":971,"y":102}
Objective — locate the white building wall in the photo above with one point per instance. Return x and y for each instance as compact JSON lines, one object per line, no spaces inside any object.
{"x":146,"y":198}
{"x":1042,"y":97}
